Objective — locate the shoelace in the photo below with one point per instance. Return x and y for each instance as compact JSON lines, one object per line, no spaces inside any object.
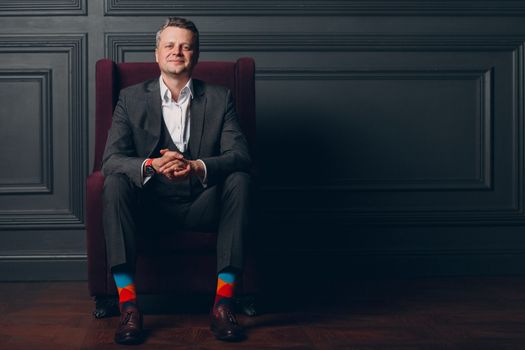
{"x":127,"y":318}
{"x":232,"y":318}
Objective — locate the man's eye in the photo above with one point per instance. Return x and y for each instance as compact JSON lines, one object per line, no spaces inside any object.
{"x":186,"y":48}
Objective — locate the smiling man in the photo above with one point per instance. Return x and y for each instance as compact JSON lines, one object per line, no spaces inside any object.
{"x":175,"y":157}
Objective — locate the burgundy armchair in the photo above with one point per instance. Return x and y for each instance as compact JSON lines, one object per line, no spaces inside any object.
{"x":189,"y":258}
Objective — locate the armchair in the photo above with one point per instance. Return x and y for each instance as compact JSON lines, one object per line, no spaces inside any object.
{"x":191,"y":255}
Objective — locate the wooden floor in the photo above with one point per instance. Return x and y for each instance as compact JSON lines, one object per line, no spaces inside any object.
{"x":438,"y":313}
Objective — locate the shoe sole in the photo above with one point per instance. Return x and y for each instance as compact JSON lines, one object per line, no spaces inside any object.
{"x":231,"y":338}
{"x":129,"y":341}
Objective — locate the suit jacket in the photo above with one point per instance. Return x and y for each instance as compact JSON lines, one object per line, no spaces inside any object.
{"x":215,"y":133}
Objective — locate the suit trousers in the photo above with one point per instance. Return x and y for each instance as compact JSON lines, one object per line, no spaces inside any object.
{"x":129,"y":211}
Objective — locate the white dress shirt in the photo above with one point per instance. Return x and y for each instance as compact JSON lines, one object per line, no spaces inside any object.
{"x":176,"y":115}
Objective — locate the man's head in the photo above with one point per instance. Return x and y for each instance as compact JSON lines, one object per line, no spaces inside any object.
{"x":177,"y":47}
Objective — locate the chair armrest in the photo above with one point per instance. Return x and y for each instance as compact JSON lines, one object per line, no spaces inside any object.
{"x":95,"y":240}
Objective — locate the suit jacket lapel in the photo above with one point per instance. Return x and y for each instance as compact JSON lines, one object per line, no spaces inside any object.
{"x":152,"y":123}
{"x":197,"y":109}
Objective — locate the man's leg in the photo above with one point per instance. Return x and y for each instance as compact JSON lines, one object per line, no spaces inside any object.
{"x":120,"y":212}
{"x":226,"y":206}
{"x":121,"y":203}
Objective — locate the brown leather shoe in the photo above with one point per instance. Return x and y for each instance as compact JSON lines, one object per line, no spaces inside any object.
{"x":129,"y":330}
{"x":224,"y":325}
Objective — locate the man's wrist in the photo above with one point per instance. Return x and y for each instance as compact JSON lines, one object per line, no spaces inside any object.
{"x":197,"y":168}
{"x":149,"y":170}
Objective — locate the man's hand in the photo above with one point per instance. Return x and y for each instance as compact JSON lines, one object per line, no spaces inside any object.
{"x":172,"y":165}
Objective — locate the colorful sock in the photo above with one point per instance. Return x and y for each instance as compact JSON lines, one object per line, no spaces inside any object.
{"x":125,"y":287}
{"x":225,"y":286}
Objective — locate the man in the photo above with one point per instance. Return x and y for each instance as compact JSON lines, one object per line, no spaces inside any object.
{"x":175,"y":157}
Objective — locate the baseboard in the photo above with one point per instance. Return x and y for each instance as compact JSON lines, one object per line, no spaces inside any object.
{"x":43,"y":268}
{"x":280,"y":264}
{"x":396,"y":264}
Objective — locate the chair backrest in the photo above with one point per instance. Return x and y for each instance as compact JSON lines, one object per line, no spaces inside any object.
{"x":111,"y":77}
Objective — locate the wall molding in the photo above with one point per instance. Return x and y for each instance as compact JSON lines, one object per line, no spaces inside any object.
{"x":45,"y":183}
{"x":41,"y":257}
{"x":74,"y":46}
{"x":43,"y":8}
{"x":314,"y":8}
{"x":483,"y":77}
{"x":71,"y":267}
{"x":117,"y":45}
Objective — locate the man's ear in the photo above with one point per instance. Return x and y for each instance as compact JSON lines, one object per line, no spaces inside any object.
{"x":156,"y":55}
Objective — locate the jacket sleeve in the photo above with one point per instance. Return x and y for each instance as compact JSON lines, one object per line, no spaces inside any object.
{"x":234,"y":155}
{"x":120,"y":154}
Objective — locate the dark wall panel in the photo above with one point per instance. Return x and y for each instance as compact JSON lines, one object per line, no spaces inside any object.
{"x":44,"y":143}
{"x":46,"y":120}
{"x":390,"y":133}
{"x":423,"y":129}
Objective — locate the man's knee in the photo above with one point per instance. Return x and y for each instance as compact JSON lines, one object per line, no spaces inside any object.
{"x":237,"y":181}
{"x":236,"y":188}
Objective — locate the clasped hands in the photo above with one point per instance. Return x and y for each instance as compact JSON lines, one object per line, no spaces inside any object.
{"x":175,"y":167}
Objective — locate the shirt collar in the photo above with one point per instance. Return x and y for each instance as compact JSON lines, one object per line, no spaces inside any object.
{"x":185,"y":92}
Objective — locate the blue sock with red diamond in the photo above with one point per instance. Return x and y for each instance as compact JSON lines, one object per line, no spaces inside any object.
{"x":225,"y":288}
{"x":124,"y":280}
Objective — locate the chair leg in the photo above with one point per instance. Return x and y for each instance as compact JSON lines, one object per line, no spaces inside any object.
{"x":106,"y":306}
{"x":246,"y":304}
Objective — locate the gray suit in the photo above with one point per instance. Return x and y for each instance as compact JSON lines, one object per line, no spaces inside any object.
{"x":138,"y":132}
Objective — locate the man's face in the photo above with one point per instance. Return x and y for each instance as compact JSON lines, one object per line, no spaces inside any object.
{"x":175,"y":52}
